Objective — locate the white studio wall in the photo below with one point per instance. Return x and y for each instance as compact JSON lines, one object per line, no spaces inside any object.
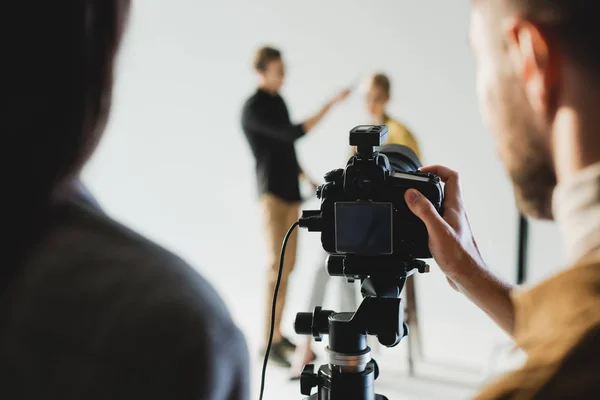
{"x":175,"y":166}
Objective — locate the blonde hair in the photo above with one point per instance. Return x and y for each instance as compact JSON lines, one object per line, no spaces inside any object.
{"x":381,"y":81}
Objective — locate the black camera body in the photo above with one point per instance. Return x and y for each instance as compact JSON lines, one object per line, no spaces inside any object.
{"x":371,"y":235}
{"x":363,"y":211}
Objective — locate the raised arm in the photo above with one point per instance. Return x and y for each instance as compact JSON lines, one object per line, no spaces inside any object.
{"x":256,"y":118}
{"x":311,"y":122}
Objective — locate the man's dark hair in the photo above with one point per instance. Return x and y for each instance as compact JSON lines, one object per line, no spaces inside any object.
{"x":56,"y":90}
{"x":264,"y":56}
{"x":572,"y":23}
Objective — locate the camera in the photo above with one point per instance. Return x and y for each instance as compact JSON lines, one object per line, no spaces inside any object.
{"x":363,"y":212}
{"x":371,"y":235}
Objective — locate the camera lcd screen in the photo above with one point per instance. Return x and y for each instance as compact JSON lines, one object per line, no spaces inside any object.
{"x":364,"y":228}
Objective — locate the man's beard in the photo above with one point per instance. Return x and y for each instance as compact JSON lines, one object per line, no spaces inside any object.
{"x":524,"y":148}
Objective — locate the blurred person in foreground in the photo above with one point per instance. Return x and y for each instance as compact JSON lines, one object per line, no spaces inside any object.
{"x":89,"y":308}
{"x":538,"y":80}
{"x":377,"y":89}
{"x":271,"y":136}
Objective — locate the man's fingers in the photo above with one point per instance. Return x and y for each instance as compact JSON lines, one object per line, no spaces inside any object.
{"x":445,"y":173}
{"x":422,"y":208}
{"x":451,"y":179}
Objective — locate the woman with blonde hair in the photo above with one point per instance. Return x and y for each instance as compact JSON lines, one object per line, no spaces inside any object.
{"x":377,"y":95}
{"x":377,"y":89}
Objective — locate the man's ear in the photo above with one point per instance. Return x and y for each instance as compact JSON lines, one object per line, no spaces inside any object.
{"x":532,"y":60}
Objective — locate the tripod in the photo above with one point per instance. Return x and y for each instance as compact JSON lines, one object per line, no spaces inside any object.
{"x":350,"y":373}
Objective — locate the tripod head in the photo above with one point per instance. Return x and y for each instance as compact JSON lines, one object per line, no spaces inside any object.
{"x":350,"y":373}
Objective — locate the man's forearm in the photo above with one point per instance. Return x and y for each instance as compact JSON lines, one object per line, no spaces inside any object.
{"x":490,"y":294}
{"x":310,"y":123}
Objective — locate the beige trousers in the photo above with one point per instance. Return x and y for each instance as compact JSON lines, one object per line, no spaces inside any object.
{"x":278,"y":216}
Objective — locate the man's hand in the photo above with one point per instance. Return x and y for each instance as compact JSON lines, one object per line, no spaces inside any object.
{"x":309,"y":180}
{"x":451,"y":240}
{"x":310,"y":123}
{"x":341,"y":96}
{"x":455,"y":250}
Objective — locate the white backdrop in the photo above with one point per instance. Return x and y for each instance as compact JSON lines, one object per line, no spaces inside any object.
{"x":175,"y":166}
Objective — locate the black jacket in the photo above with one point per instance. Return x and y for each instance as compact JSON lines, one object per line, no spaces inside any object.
{"x":271,"y":136}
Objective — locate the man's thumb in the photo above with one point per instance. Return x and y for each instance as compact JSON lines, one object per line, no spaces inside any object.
{"x":422,"y":208}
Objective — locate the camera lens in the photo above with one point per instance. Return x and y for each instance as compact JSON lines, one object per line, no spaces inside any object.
{"x":402,"y":158}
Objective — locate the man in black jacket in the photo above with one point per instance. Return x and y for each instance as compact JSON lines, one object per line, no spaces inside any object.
{"x":271,"y":135}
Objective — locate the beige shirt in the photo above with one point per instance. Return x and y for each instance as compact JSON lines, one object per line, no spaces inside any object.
{"x":557,"y":323}
{"x":576,"y":207}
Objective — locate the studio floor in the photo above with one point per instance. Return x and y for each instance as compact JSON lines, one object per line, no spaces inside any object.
{"x":433,"y":378}
{"x":429,"y":383}
{"x":462,"y":348}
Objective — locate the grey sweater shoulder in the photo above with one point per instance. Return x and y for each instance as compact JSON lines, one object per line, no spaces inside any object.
{"x":99,"y":312}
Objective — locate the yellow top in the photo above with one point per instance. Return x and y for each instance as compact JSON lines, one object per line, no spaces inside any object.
{"x":399,"y":134}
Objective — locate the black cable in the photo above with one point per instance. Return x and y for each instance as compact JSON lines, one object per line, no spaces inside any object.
{"x":268,"y":350}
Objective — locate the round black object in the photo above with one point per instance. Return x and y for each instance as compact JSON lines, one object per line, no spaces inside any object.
{"x":402,"y":158}
{"x":303,"y":324}
{"x":334,"y":175}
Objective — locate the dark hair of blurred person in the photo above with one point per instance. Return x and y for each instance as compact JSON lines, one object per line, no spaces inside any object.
{"x":90,"y":309}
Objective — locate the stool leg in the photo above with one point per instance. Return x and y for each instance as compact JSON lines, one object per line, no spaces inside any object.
{"x":414,"y":342}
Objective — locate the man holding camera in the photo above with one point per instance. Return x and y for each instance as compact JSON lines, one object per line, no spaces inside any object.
{"x":271,"y":136}
{"x":539,"y":88}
